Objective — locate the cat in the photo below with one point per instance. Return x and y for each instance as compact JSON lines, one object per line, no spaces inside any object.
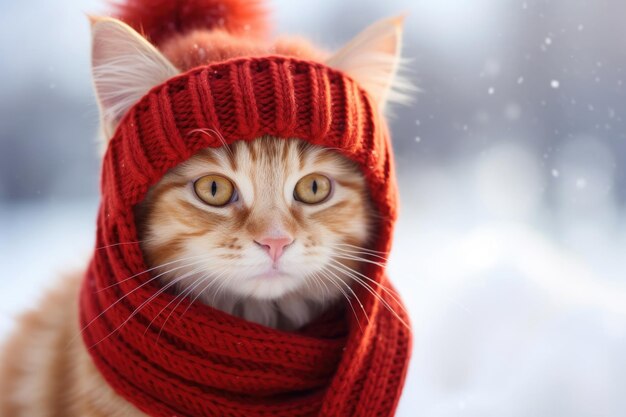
{"x":250,"y":220}
{"x":272,"y":210}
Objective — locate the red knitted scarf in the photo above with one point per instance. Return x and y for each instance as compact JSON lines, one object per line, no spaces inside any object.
{"x":209,"y":363}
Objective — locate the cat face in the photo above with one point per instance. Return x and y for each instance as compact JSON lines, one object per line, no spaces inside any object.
{"x":261,"y":219}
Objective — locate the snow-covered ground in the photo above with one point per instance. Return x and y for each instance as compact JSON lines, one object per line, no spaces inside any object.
{"x":511,"y":317}
{"x":517,"y":295}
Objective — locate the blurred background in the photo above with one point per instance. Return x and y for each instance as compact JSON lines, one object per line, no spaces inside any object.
{"x":512,"y":168}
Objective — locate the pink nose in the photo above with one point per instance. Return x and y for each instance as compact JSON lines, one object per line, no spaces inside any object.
{"x":275,"y":246}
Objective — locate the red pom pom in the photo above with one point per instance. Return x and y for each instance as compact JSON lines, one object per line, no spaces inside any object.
{"x":157,"y":20}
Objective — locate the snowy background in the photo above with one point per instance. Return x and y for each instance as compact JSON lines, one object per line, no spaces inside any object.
{"x":512,"y":164}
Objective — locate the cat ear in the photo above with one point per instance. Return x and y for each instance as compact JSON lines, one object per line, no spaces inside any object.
{"x":125,"y":66}
{"x":372,"y":59}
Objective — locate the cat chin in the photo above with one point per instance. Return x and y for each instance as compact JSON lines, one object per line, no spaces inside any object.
{"x":268,"y":286}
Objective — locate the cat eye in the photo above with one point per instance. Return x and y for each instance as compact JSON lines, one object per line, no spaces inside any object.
{"x":214,"y":190}
{"x":312,"y":189}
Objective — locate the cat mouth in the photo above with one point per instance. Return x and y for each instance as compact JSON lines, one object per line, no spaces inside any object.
{"x":272,"y":273}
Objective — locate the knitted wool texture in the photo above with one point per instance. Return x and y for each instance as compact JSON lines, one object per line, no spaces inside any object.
{"x":204,"y":362}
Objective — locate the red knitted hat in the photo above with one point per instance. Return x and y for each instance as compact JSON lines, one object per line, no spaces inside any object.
{"x":210,"y":363}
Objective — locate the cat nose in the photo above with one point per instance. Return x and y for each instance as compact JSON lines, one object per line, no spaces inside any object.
{"x":274,"y":246}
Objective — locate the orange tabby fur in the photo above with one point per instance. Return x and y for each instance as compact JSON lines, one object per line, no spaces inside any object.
{"x":45,"y":370}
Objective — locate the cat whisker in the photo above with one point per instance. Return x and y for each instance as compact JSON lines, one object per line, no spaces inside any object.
{"x":120,"y":299}
{"x":181,"y":298}
{"x":350,"y":272}
{"x":152,"y":269}
{"x":359,"y":252}
{"x":352,"y":291}
{"x":220,"y":287}
{"x":124,"y":243}
{"x":360,"y":248}
{"x":332,"y":281}
{"x":168,"y":304}
{"x":214,"y":133}
{"x":142,"y":305}
{"x":318,"y":282}
{"x":359,"y":259}
{"x":382,"y":300}
{"x":209,"y":285}
{"x":383,"y":287}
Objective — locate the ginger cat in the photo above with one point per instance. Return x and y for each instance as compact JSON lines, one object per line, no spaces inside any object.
{"x":45,"y":369}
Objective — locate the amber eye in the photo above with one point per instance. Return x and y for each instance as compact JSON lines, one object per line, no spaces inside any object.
{"x":214,"y":190}
{"x":312,"y":189}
